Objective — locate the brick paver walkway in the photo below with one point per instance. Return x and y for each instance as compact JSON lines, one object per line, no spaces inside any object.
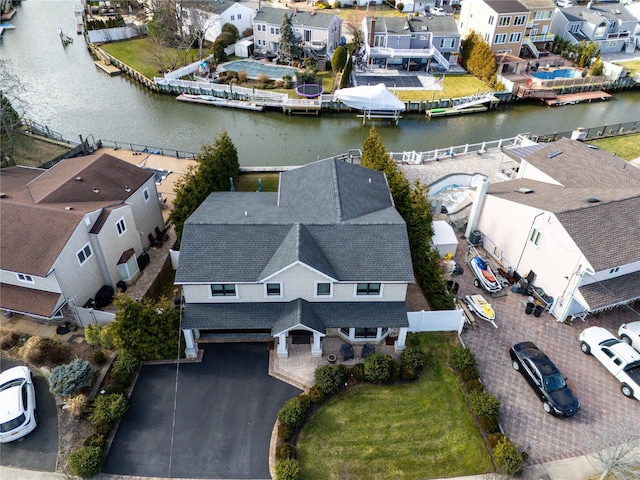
{"x":604,"y":410}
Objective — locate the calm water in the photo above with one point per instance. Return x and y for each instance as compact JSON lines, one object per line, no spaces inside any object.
{"x":64,"y":90}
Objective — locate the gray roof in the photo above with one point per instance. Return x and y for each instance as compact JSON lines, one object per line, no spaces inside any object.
{"x":595,"y":14}
{"x":299,"y":18}
{"x":438,"y":26}
{"x":327,"y":215}
{"x":612,"y":292}
{"x":506,"y":6}
{"x":280,"y":316}
{"x":539,"y":4}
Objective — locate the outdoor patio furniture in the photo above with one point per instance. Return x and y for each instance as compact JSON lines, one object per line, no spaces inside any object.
{"x":346,"y":350}
{"x":367,"y":349}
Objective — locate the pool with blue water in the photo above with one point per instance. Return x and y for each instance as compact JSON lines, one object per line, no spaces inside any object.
{"x":555,"y":74}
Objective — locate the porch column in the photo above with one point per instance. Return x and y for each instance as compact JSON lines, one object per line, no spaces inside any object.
{"x":400,"y":344}
{"x":191,"y":347}
{"x":283,"y":351}
{"x":316,"y":347}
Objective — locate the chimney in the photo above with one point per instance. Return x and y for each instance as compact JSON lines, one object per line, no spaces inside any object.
{"x":373,"y":31}
{"x":476,"y":208}
{"x":589,"y":5}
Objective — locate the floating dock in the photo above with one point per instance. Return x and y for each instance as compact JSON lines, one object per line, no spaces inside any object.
{"x":219,"y":102}
{"x":580,"y":97}
{"x":107,"y":67}
{"x":446,"y":112}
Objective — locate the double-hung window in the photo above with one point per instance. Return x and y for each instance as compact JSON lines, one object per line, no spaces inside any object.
{"x":520,"y":20}
{"x":504,"y":21}
{"x":500,"y":38}
{"x":223,"y":290}
{"x":273,"y":289}
{"x":515,"y":37}
{"x":84,"y":254}
{"x":535,"y":237}
{"x":121,"y":227}
{"x":25,"y":278}
{"x":368,"y":289}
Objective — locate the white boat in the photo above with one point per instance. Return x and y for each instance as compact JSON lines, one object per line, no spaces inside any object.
{"x":370,"y":98}
{"x":481,"y":308}
{"x":485,"y":277}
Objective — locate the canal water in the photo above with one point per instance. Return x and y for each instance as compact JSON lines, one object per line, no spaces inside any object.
{"x":65,"y":91}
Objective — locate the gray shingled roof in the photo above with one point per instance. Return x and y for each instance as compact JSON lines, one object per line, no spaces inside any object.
{"x":280,"y":316}
{"x":506,"y":6}
{"x":594,"y":14}
{"x":299,"y":18}
{"x":615,"y":291}
{"x":328,"y":215}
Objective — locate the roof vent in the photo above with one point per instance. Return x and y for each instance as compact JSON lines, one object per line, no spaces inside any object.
{"x":524,"y":190}
{"x":246,"y":213}
{"x":127,"y":189}
{"x":68,"y":208}
{"x":95,"y":190}
{"x":593,"y":200}
{"x":369,"y":179}
{"x":3,"y":195}
{"x":78,"y":179}
{"x":554,"y":154}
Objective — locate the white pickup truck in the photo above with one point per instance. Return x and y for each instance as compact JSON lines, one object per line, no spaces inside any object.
{"x":618,"y":357}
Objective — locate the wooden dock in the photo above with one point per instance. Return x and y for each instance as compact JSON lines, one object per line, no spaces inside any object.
{"x":580,"y":97}
{"x":107,"y":67}
{"x":219,"y":102}
{"x":302,"y":106}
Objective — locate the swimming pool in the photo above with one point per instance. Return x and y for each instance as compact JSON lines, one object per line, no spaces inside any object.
{"x":255,"y":69}
{"x":561,"y":73}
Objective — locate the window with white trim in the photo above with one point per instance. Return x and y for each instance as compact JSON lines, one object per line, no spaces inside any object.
{"x":239,"y":16}
{"x":486,"y":37}
{"x":504,"y":21}
{"x":323,"y":289}
{"x":515,"y":37}
{"x":500,"y":38}
{"x":491,"y":19}
{"x":574,"y":28}
{"x":145,"y":194}
{"x":233,"y":17}
{"x":223,"y":290}
{"x":614,"y":270}
{"x":368,"y":289}
{"x":447,"y":43}
{"x":84,"y":254}
{"x":519,"y":20}
{"x":543,"y":15}
{"x":398,"y":40}
{"x":121,"y":227}
{"x":535,"y":237}
{"x":25,"y":278}
{"x":273,"y":289}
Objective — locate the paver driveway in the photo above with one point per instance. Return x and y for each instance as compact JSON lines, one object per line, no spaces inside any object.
{"x":226,"y":409}
{"x":603,"y":408}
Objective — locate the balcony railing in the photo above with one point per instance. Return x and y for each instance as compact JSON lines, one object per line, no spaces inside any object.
{"x":402,"y":53}
{"x":549,"y":37}
{"x":623,"y":34}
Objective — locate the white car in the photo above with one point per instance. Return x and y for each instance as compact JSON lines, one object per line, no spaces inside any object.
{"x":630,"y":333}
{"x":17,"y":404}
{"x":564,"y":3}
{"x":437,"y":11}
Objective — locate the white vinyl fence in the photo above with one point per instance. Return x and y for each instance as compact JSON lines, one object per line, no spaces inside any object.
{"x":91,"y":316}
{"x":437,"y":321}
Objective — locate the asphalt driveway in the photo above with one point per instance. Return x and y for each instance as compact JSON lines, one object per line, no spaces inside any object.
{"x":605,"y":413}
{"x":225,"y":411}
{"x":38,"y":450}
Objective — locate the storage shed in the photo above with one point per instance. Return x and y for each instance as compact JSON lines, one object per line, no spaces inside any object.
{"x":444,"y":238}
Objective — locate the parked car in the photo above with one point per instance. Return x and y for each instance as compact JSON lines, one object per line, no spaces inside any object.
{"x":18,"y":415}
{"x":564,"y":3}
{"x":437,"y":11}
{"x":545,"y":379}
{"x":630,"y":333}
{"x":619,"y":358}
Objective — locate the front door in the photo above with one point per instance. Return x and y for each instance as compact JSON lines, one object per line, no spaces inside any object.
{"x":300,"y":337}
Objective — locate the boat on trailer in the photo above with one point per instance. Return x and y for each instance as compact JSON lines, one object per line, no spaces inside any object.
{"x":485,"y":277}
{"x":478,"y":305}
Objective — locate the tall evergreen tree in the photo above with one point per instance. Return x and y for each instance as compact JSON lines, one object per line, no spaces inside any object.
{"x":482,"y":62}
{"x":288,"y":46}
{"x":467,"y":46}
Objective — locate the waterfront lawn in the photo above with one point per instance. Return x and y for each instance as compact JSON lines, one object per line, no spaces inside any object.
{"x":142,"y":55}
{"x":417,"y":430}
{"x":455,"y":86}
{"x":624,"y":146}
{"x":31,"y":151}
{"x":248,"y":182}
{"x":633,"y":65}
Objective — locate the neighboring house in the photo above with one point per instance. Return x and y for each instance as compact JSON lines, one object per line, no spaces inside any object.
{"x":328,"y":254}
{"x":610,"y":26}
{"x":216,"y":15}
{"x":502,"y":24}
{"x":318,"y":33}
{"x":538,"y":37}
{"x":571,"y":215}
{"x":411,"y":42}
{"x":72,"y":229}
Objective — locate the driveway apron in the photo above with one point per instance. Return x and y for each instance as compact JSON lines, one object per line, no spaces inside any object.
{"x":225,"y":411}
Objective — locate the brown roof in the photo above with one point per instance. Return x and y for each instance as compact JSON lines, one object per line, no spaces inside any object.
{"x":99,"y":223}
{"x":28,"y":300}
{"x":612,"y":292}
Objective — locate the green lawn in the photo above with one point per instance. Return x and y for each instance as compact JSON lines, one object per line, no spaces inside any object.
{"x":32,"y":151}
{"x":624,"y":146}
{"x":248,"y":182}
{"x":454,"y":86}
{"x":418,"y":430}
{"x":633,"y":65}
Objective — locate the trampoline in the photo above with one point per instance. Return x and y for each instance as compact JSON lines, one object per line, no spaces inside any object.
{"x":255,"y":69}
{"x":309,"y":90}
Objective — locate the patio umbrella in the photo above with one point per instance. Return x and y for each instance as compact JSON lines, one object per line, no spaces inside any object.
{"x":259,"y":184}
{"x":232,"y":188}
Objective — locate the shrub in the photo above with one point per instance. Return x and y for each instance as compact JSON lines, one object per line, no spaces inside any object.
{"x":460,"y":357}
{"x":400,"y":6}
{"x":119,"y":384}
{"x":102,"y":428}
{"x":322,"y":4}
{"x":44,"y":351}
{"x":508,"y":458}
{"x":305,"y":401}
{"x":285,"y":432}
{"x":408,"y":372}
{"x":315,"y":394}
{"x":358,"y":372}
{"x":339,"y":59}
{"x":483,"y":404}
{"x":126,"y":363}
{"x":292,"y":413}
{"x":415,"y":357}
{"x":473,"y":386}
{"x":92,"y":334}
{"x":377,"y":368}
{"x":107,"y":335}
{"x":95,"y":440}
{"x":263,"y":78}
{"x":242,"y":76}
{"x":66,"y":379}
{"x":288,"y":469}
{"x":469,"y":373}
{"x":98,"y":357}
{"x":76,"y":405}
{"x":336,"y":4}
{"x":394,"y":372}
{"x":331,"y":378}
{"x":285,"y":450}
{"x":108,"y":408}
{"x":86,"y":462}
{"x":8,"y":340}
{"x":489,"y":423}
{"x":494,"y":439}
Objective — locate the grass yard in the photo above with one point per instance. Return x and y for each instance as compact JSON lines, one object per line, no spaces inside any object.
{"x":409,"y":431}
{"x":248,"y":182}
{"x":454,"y":86}
{"x":624,"y":146}
{"x":31,"y":151}
{"x":633,"y":65}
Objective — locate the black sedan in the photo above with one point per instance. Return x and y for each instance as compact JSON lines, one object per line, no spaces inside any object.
{"x":545,"y":379}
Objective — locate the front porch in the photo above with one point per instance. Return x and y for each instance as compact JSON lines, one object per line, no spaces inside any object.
{"x":298,"y":368}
